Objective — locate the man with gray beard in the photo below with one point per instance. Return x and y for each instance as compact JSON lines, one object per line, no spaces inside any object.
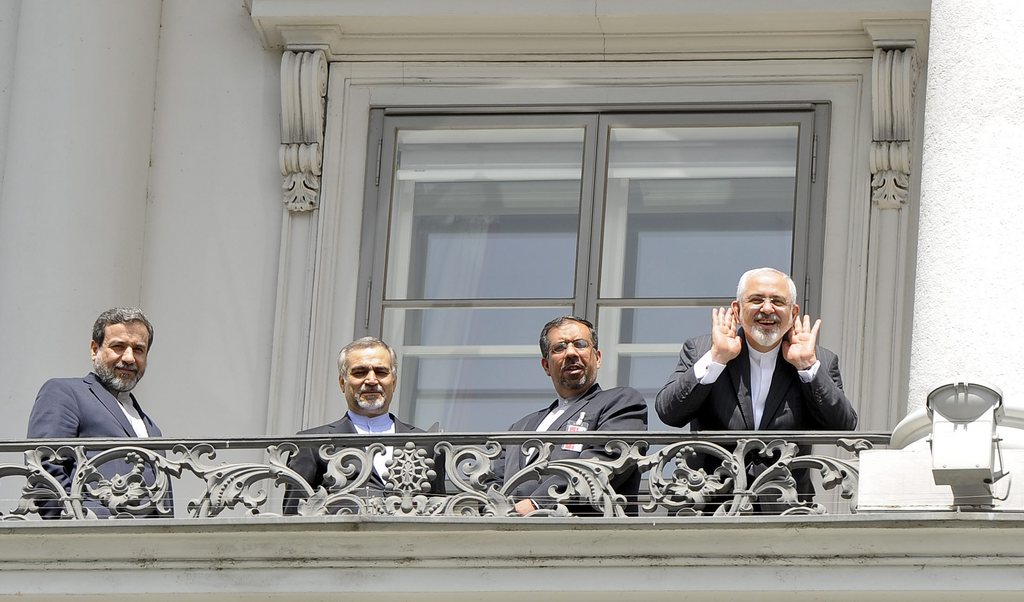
{"x":759,"y":369}
{"x":367,"y":375}
{"x":100,"y":404}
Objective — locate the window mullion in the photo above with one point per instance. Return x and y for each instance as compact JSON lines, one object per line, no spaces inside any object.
{"x":591,"y":217}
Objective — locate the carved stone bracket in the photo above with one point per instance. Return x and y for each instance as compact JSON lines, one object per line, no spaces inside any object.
{"x":303,"y":99}
{"x":894,"y":71}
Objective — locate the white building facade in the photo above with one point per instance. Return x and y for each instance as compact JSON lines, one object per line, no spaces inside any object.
{"x":270,"y":179}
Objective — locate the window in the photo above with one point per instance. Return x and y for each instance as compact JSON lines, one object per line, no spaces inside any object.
{"x":480,"y":228}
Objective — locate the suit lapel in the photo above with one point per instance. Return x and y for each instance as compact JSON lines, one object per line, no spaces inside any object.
{"x":782,"y":380}
{"x":572,"y":413}
{"x":154,"y":430}
{"x":151,"y":427}
{"x":739,"y":374}
{"x":342,"y":425}
{"x":401,"y":427}
{"x":531,"y":422}
{"x":111,"y":404}
{"x":515,"y":459}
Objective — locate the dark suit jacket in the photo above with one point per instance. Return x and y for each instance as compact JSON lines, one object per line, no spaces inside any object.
{"x":619,"y":409}
{"x":726,"y":404}
{"x":67,"y":408}
{"x":312,"y":467}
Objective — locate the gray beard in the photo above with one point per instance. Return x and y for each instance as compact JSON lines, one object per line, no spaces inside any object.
{"x":766,"y":337}
{"x":109,"y":379}
{"x":372,"y":406}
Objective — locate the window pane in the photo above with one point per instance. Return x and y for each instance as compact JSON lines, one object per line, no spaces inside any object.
{"x":483,"y":226}
{"x":469,"y":369}
{"x":689,"y":209}
{"x":473,"y":393}
{"x":640,"y":347}
{"x":485,"y":214}
{"x":469,"y":325}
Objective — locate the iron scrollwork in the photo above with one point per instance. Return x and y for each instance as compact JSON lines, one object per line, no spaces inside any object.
{"x":238,"y":484}
{"x":744,"y":477}
{"x":120,"y":482}
{"x":588,"y":480}
{"x":132,"y":481}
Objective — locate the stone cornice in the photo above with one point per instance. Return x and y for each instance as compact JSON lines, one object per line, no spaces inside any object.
{"x":574,"y":29}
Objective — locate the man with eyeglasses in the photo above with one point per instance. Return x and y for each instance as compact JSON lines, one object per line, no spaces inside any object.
{"x":570,"y":356}
{"x":759,"y":369}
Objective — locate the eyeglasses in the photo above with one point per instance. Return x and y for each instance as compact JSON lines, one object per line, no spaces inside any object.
{"x":560,"y":348}
{"x":758,"y":300}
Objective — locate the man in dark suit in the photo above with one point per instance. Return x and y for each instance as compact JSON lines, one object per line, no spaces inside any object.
{"x":570,"y":356}
{"x":759,"y":369}
{"x":101,"y":403}
{"x":368,"y":374}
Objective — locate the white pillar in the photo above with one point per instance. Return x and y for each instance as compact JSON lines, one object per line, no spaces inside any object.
{"x":970,"y":268}
{"x":73,"y":204}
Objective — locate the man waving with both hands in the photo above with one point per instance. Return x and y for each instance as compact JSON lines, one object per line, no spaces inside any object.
{"x":759,"y":369}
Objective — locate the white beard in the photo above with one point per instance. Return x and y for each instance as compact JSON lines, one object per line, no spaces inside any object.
{"x":371,"y":406}
{"x":374,"y":404}
{"x":766,"y":336}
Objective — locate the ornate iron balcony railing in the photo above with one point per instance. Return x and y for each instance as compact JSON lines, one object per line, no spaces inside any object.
{"x":756,"y":472}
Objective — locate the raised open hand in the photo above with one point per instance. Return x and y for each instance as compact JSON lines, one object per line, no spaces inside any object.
{"x":798,"y":347}
{"x":725,"y":342}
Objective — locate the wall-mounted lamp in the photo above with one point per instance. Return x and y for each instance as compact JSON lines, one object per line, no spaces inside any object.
{"x":964,"y":443}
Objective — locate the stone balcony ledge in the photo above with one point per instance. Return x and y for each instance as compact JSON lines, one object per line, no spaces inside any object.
{"x":935,"y":555}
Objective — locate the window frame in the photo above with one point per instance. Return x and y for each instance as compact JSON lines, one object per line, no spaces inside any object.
{"x":809,"y":204}
{"x":806,"y":260}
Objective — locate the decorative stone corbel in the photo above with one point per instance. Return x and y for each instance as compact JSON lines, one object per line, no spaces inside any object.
{"x":894,"y":71}
{"x":303,"y":94}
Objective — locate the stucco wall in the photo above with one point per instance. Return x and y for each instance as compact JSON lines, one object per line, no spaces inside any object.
{"x":213,"y":223}
{"x":970,"y":251}
{"x":8,"y":50}
{"x":197,"y":195}
{"x":75,"y":173}
{"x":141,"y":168}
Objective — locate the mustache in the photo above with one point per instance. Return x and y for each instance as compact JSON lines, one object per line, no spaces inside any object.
{"x":124,"y":366}
{"x":774,"y":318}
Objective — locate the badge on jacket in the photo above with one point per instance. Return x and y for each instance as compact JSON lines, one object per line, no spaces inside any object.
{"x":575,"y":427}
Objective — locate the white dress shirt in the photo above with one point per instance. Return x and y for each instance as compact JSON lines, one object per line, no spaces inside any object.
{"x":124,"y":400}
{"x":553,"y":415}
{"x":762,"y":366}
{"x":367,"y":425}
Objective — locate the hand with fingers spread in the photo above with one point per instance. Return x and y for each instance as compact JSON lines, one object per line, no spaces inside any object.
{"x":775,"y":378}
{"x":799,"y":347}
{"x":725,"y":341}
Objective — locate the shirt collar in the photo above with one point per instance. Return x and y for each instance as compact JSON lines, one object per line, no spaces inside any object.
{"x":562,"y":403}
{"x":770,"y":355}
{"x":374,"y":424}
